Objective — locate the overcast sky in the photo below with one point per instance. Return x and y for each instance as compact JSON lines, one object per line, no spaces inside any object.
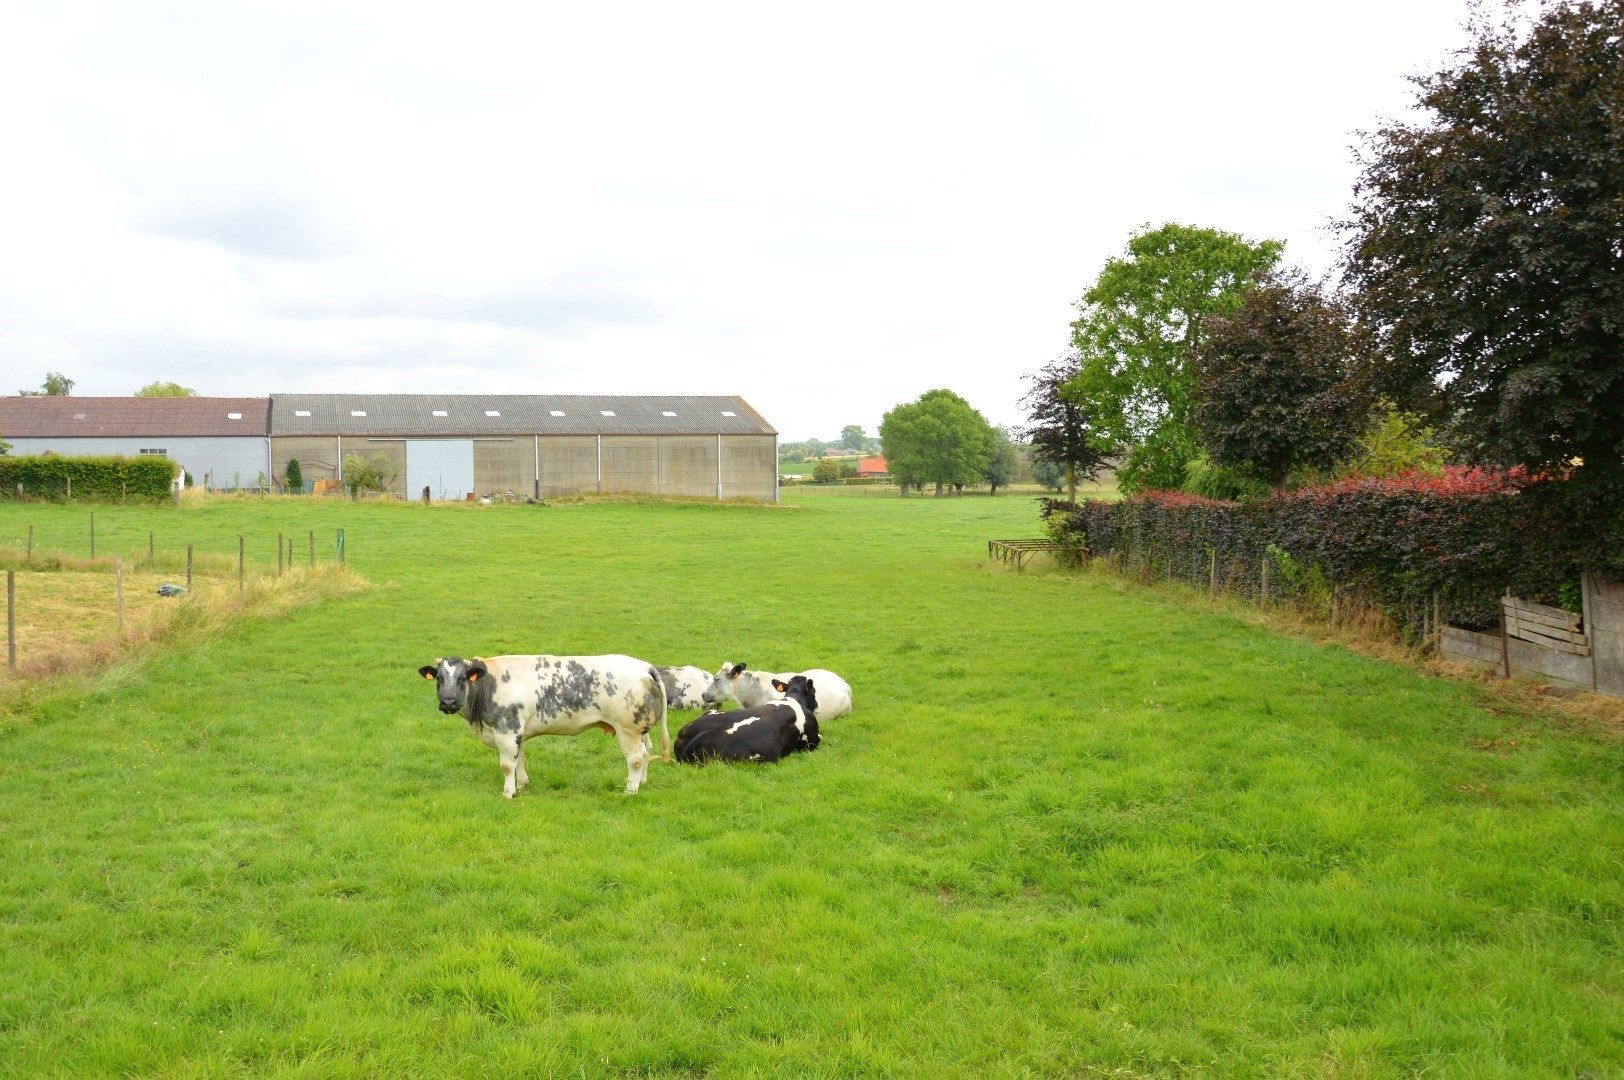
{"x":825,"y":208}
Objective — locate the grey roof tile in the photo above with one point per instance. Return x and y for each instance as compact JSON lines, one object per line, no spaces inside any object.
{"x":414,"y":415}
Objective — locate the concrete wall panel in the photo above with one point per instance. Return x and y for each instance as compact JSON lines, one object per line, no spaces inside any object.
{"x":630,"y":464}
{"x":749,"y":467}
{"x":688,"y":465}
{"x":569,"y":464}
{"x":503,"y":466}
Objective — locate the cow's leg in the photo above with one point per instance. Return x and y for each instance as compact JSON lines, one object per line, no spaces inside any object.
{"x":507,"y":750}
{"x":521,"y":776}
{"x":634,"y":745}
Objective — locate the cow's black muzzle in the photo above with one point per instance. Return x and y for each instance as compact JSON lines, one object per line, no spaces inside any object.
{"x":448,"y":707}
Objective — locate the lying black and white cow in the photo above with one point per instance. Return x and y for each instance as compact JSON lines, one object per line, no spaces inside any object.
{"x":507,"y":699}
{"x":733,"y":682}
{"x":684,"y":686}
{"x":764,"y":733}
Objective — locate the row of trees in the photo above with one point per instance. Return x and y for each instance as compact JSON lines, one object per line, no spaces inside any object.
{"x":1479,"y":312}
{"x":57,"y":384}
{"x":943,"y":440}
{"x":852,"y":438}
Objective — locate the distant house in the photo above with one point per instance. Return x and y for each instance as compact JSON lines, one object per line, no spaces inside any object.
{"x":872,"y":466}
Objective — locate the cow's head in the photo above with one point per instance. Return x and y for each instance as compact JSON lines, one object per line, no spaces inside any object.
{"x":721,"y":688}
{"x":800,"y":690}
{"x":452,"y":677}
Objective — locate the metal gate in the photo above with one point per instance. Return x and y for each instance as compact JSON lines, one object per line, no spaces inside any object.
{"x":444,"y":466}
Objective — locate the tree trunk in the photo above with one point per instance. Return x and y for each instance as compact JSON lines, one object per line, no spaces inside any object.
{"x":1071,"y":482}
{"x":938,"y":489}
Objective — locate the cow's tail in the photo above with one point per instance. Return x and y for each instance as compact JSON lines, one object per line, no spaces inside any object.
{"x":665,"y":708}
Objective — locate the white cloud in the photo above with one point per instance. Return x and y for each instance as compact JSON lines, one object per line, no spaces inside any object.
{"x":827,"y":209}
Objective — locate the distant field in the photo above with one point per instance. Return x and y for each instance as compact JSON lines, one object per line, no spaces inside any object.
{"x":1072,"y":827}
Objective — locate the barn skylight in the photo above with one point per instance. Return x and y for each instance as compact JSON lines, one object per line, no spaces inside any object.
{"x":667,"y":412}
{"x":492,"y":412}
{"x":554,"y":412}
{"x":606,"y":412}
{"x":358,"y":412}
{"x":439,"y":412}
{"x":233,"y":416}
{"x":301,"y":412}
{"x":726,"y":413}
{"x":78,"y":416}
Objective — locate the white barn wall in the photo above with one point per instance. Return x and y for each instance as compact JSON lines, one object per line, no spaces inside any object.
{"x":232,"y":462}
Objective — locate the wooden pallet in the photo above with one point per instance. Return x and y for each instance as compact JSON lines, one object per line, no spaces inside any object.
{"x":1016,"y":552}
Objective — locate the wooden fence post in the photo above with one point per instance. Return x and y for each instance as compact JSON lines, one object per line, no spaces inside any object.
{"x":1586,"y":580}
{"x":312,"y":549}
{"x":11,"y":619}
{"x":239,"y":563}
{"x":118,"y":578}
{"x":188,"y":567}
{"x":1263,"y":587}
{"x":31,"y":543}
{"x":1505,"y":637}
{"x":93,"y":534}
{"x":152,"y":546}
{"x":278,"y":554}
{"x":1212,"y":573}
{"x":340,"y":542}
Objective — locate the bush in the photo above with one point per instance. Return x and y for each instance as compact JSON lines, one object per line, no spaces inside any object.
{"x":47,"y":476}
{"x":1472,"y":535}
{"x":826,"y":471}
{"x":295,"y":476}
{"x":1202,"y":477}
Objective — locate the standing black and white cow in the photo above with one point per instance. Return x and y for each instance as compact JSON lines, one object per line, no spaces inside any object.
{"x":764,"y":733}
{"x":735,"y":682}
{"x":684,"y":686}
{"x":507,"y":699}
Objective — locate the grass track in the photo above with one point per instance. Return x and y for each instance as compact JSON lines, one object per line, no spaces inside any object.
{"x":1071,"y":827}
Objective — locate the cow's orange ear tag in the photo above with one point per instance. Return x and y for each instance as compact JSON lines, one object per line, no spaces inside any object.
{"x":429,"y":675}
{"x":473,"y":676}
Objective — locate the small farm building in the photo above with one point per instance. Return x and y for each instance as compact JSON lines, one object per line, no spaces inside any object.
{"x":872,"y":466}
{"x":220,"y":442}
{"x":456,"y":445}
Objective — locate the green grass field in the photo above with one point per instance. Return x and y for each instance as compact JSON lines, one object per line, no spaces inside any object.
{"x":1072,"y":828}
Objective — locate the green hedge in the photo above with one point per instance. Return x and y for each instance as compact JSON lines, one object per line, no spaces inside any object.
{"x":144,"y":478}
{"x":1469,"y":536}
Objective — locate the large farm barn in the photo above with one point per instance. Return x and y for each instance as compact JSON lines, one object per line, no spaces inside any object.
{"x":455,"y":445}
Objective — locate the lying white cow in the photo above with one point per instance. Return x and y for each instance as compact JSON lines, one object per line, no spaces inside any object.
{"x":732,"y":682}
{"x":684,"y":686}
{"x":507,"y":699}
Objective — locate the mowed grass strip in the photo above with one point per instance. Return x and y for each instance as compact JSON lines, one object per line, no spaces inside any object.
{"x":1072,"y":827}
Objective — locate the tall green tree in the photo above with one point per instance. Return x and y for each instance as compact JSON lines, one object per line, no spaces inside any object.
{"x":1003,"y":462}
{"x":1485,"y":240}
{"x":165,"y":389}
{"x":56,"y":385}
{"x":1276,"y":382}
{"x":1058,"y":427}
{"x":939,"y":439}
{"x":1133,"y":334}
{"x":852,"y":437}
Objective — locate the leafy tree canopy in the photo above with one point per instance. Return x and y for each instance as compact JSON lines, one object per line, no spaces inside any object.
{"x":852,"y":437}
{"x":1003,"y":462}
{"x":56,"y":385}
{"x":1133,"y":333}
{"x":1058,"y":427}
{"x":939,"y":439}
{"x":1275,"y":381}
{"x":165,"y":389}
{"x":1485,"y":241}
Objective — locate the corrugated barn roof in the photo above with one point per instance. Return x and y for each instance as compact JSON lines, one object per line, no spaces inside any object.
{"x":428,"y":415}
{"x":116,"y":417}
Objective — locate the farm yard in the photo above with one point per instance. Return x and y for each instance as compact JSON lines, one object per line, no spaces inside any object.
{"x":1072,"y":826}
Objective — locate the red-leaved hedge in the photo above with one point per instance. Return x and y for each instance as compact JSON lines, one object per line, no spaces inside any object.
{"x":1471,"y":535}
